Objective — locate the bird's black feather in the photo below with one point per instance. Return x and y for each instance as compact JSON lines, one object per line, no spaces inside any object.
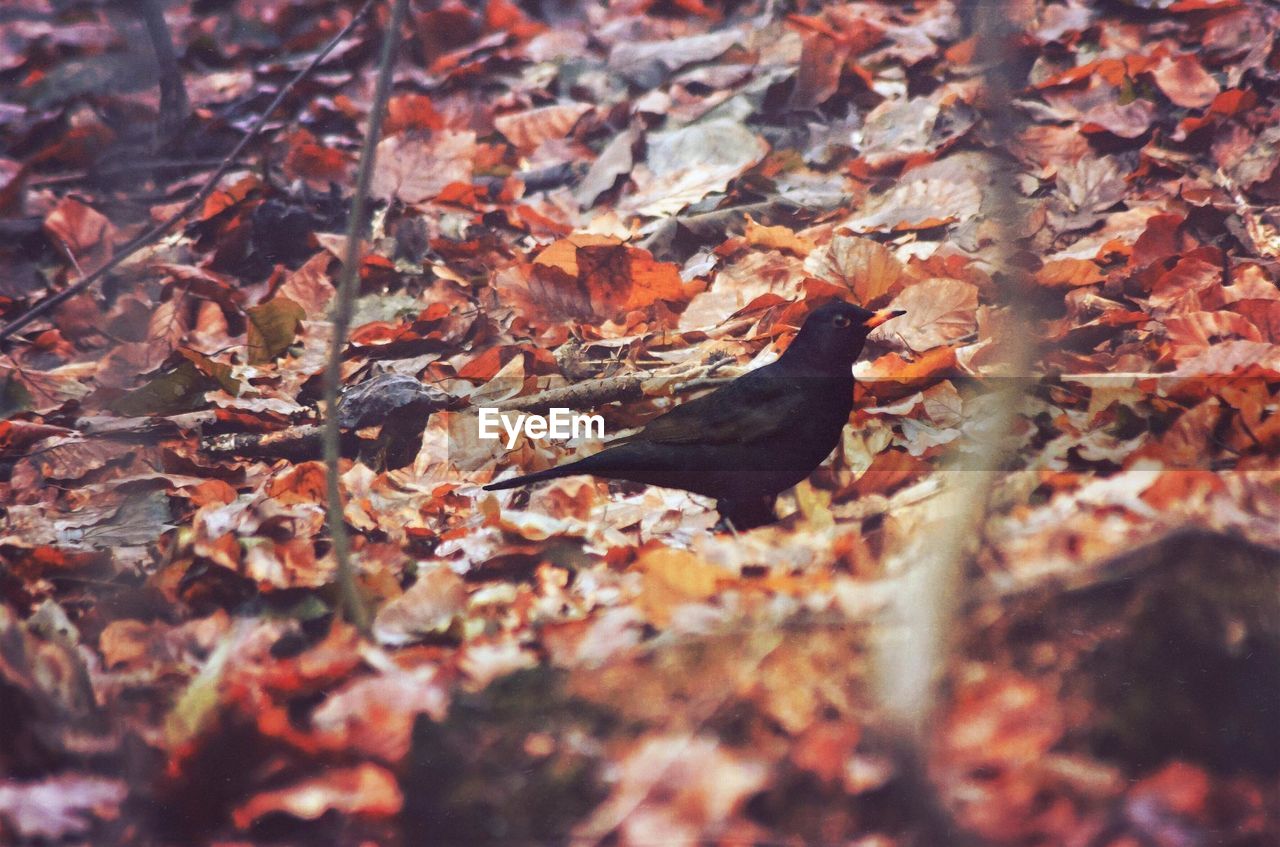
{"x":750,"y":439}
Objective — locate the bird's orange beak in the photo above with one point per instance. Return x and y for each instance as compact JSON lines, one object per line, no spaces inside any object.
{"x":882,"y":316}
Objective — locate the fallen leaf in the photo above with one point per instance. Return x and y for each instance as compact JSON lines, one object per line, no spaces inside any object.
{"x":414,"y":170}
{"x":366,"y":790}
{"x":685,"y":165}
{"x":1069,"y":273}
{"x":938,"y":311}
{"x":60,"y":807}
{"x":939,"y":193}
{"x":615,"y":160}
{"x":1185,"y":81}
{"x":272,"y":329}
{"x":310,"y":160}
{"x":585,"y":276}
{"x":867,"y":268}
{"x":649,"y":63}
{"x":673,"y":577}
{"x":410,"y":112}
{"x":83,"y":232}
{"x":427,"y":608}
{"x":776,"y":238}
{"x":527,"y":130}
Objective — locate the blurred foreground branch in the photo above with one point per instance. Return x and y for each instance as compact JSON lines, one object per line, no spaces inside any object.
{"x":912,"y":652}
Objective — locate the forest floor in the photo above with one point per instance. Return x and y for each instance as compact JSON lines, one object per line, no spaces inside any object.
{"x":605,"y":207}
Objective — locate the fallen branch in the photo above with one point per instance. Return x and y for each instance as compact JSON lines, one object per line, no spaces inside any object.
{"x":296,"y":442}
{"x":104,"y":426}
{"x":610,"y":389}
{"x":159,"y":230}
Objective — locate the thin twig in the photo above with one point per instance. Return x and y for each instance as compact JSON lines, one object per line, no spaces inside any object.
{"x":160,"y":229}
{"x":343,"y":306}
{"x":593,"y":393}
{"x":118,"y":169}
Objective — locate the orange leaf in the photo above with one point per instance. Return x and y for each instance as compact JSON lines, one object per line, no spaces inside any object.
{"x":893,"y":368}
{"x":224,"y":198}
{"x":1069,"y":273}
{"x":488,"y":363}
{"x":889,"y":470}
{"x":308,"y":159}
{"x":585,"y":276}
{"x":366,"y":789}
{"x":865,"y":267}
{"x":673,"y":577}
{"x":302,"y":483}
{"x":407,"y":112}
{"x":776,"y":238}
{"x":125,"y":642}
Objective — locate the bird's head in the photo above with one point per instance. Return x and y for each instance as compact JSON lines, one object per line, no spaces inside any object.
{"x":833,"y":335}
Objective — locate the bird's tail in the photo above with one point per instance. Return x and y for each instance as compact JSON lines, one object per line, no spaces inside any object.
{"x":517,"y":481}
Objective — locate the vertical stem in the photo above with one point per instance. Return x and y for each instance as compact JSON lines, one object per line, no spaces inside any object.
{"x":343,"y":305}
{"x":911,"y":660}
{"x":174,"y":106}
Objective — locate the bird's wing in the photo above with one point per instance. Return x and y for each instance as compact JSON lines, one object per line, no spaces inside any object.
{"x":749,"y":409}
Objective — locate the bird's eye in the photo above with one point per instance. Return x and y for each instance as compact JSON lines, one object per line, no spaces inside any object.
{"x":841,"y":321}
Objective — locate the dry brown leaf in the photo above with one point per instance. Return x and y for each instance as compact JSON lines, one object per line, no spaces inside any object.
{"x":821,"y":64}
{"x":673,"y":577}
{"x":414,"y":170}
{"x":867,"y":268}
{"x":126,"y":642}
{"x":526,"y":130}
{"x":1098,"y":106}
{"x":685,"y":165}
{"x":83,"y":232}
{"x":1191,"y":333}
{"x":1264,"y":314}
{"x":1069,"y":273}
{"x":776,"y":238}
{"x":942,"y":192}
{"x":1185,"y":81}
{"x":310,"y":286}
{"x":365,"y":789}
{"x":938,"y":311}
{"x":427,"y":608}
{"x":375,"y":714}
{"x":588,"y":276}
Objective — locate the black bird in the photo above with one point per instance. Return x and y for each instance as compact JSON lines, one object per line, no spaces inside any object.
{"x":753,"y":438}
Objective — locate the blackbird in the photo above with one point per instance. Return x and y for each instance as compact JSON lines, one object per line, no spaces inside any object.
{"x":752,"y":438}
